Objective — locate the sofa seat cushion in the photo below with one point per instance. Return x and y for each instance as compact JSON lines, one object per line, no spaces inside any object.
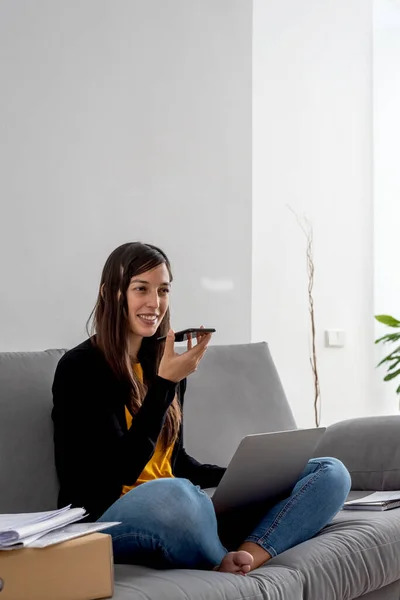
{"x":357,"y":553}
{"x":140,"y":583}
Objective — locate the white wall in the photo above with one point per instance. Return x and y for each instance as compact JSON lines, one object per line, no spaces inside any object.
{"x":312,"y":150}
{"x":119,"y":121}
{"x":386,"y":117}
{"x":132,"y":120}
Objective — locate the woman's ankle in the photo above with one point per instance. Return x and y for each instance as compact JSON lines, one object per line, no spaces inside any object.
{"x":260,"y":555}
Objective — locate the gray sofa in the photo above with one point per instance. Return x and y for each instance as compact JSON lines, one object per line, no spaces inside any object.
{"x":235,"y":391}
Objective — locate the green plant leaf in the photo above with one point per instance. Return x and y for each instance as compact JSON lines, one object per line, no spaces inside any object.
{"x":388,"y":320}
{"x":392,"y":375}
{"x":392,"y":356}
{"x":394,"y":352}
{"x":385,"y":359}
{"x":397,"y":349}
{"x":394,"y":365}
{"x":398,"y":390}
{"x":389,"y":337}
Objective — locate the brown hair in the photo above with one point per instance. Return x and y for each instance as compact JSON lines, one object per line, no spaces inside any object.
{"x":111,"y":327}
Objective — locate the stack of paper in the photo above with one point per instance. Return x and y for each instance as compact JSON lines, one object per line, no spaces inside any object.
{"x":375,"y":501}
{"x":41,"y":529}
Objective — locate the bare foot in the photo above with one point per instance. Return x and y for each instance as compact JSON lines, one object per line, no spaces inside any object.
{"x":239,"y":562}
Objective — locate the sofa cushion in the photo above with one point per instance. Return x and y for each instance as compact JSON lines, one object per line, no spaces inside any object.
{"x":357,"y":553}
{"x":370,"y":449}
{"x":236,"y":391}
{"x":27,"y":470}
{"x":140,"y":583}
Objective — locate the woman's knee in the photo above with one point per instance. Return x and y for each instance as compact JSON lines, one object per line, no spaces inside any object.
{"x":173,"y":491}
{"x":337,"y":477}
{"x":191,"y":504}
{"x":177,"y":503}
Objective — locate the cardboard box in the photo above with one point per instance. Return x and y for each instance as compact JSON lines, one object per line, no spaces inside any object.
{"x":80,"y":569}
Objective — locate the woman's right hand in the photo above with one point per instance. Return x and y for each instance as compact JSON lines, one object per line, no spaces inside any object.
{"x":174,"y":366}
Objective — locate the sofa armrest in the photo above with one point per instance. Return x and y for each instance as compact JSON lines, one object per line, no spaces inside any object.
{"x":370,"y":449}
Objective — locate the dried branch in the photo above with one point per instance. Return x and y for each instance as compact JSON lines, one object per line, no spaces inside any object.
{"x":307,"y":229}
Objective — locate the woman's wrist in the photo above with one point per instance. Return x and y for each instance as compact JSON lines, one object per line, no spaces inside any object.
{"x":167,"y":381}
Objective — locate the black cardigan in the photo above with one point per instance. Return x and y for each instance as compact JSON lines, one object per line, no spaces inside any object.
{"x":95,"y":453}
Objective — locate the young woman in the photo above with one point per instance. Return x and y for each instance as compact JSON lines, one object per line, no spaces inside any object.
{"x":117,"y":416}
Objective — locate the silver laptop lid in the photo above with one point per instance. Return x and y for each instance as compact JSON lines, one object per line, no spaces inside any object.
{"x":265,"y":466}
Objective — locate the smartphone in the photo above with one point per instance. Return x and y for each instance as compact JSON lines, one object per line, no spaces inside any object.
{"x":181,"y":336}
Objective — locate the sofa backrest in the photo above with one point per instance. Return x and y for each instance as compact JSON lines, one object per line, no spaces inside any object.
{"x":235,"y":391}
{"x":27,"y":474}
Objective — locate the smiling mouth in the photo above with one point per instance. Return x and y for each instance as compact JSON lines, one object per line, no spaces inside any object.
{"x":149,"y":319}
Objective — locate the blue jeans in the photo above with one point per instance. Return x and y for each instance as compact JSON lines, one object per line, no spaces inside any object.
{"x":170,"y":523}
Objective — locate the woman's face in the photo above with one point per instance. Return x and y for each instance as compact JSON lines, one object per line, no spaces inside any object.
{"x":148,"y":299}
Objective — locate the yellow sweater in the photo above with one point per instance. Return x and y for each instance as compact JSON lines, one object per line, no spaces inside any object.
{"x":160,"y":463}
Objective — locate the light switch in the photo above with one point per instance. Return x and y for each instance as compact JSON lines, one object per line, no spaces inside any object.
{"x":335,"y":338}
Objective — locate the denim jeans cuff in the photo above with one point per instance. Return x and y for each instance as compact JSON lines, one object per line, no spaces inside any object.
{"x":263,"y":544}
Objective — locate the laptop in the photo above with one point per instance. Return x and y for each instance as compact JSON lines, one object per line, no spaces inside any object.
{"x":264,"y":466}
